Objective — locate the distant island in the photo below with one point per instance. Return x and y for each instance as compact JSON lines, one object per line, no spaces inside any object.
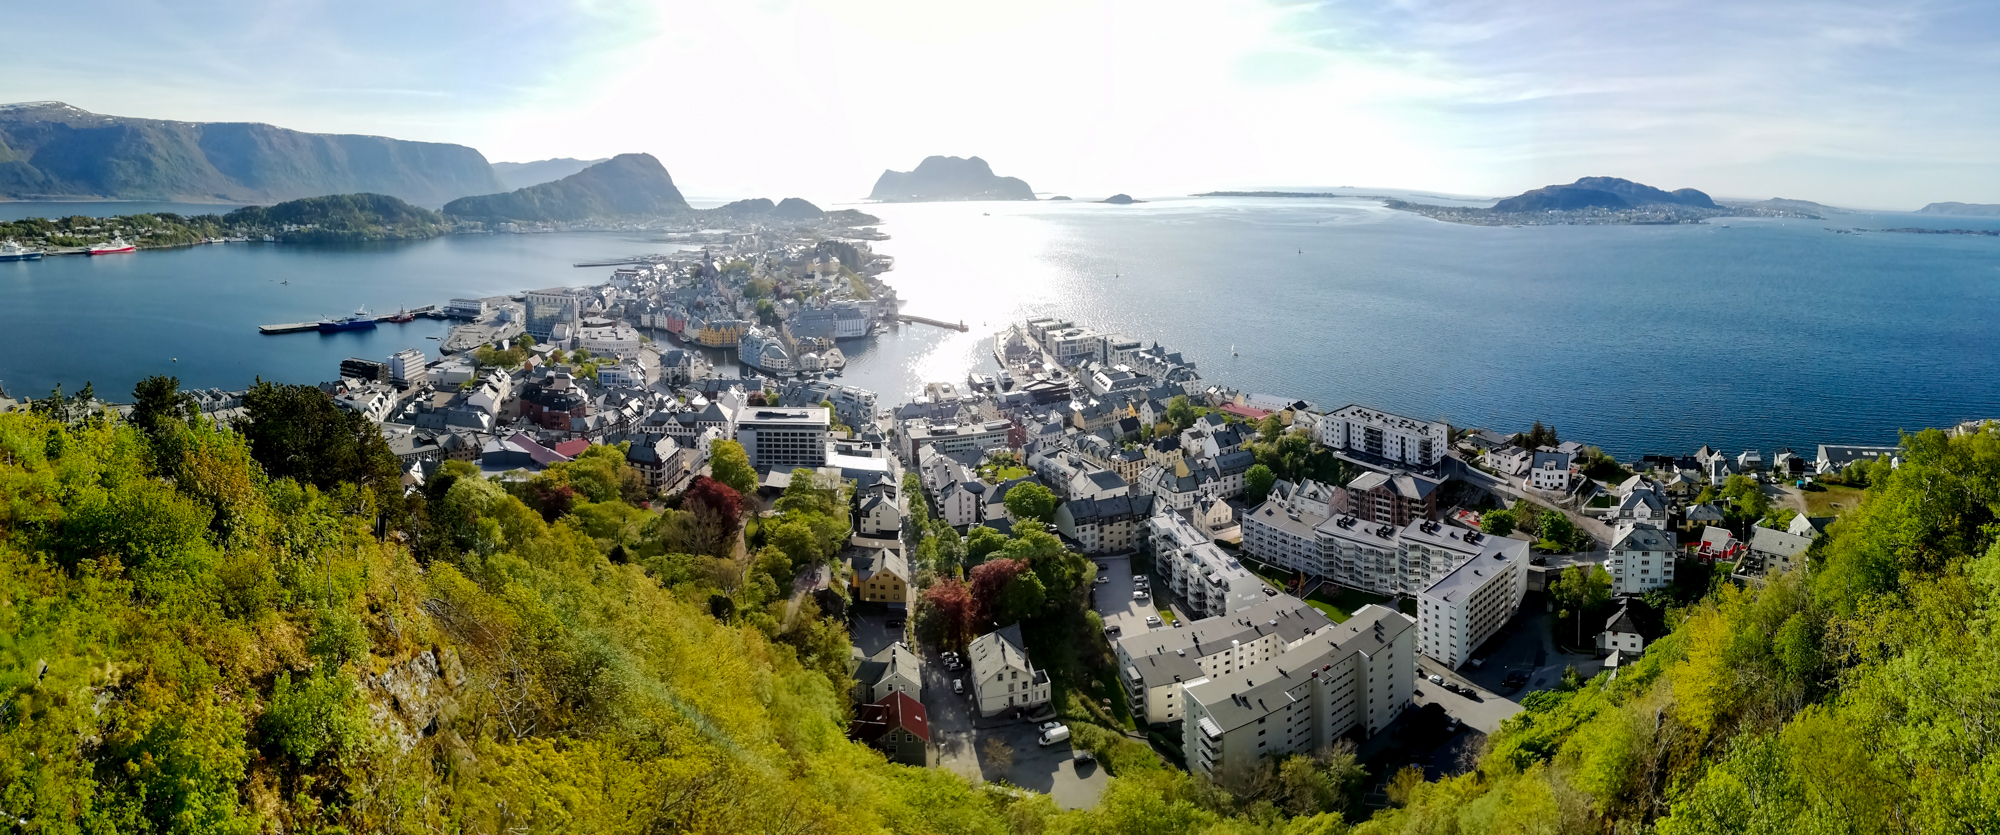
{"x":1804,"y":207}
{"x":53,"y":150}
{"x":1594,"y":201}
{"x":519,"y":175}
{"x":1121,"y":199}
{"x":627,"y":185}
{"x":335,"y":218}
{"x":1964,"y":209}
{"x":793,"y":208}
{"x":948,"y":178}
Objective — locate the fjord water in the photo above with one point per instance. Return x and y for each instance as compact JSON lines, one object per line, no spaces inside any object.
{"x":1642,"y":339}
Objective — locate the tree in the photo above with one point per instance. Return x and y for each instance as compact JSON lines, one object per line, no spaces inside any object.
{"x":1498,"y":522}
{"x":957,"y":611}
{"x":1780,"y":518}
{"x":717,"y":511}
{"x":297,"y":432}
{"x":1557,"y":528}
{"x":158,"y":402}
{"x":729,"y":464}
{"x":1539,"y":436}
{"x":1257,"y":484}
{"x":1180,"y":412}
{"x":982,"y":541}
{"x":998,"y":753}
{"x":1031,"y":501}
{"x":1270,"y":428}
{"x":989,"y":583}
{"x":1020,"y":599}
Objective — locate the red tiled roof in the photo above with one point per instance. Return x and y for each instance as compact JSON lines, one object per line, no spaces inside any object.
{"x":572,"y":448}
{"x":1245,"y":411}
{"x":898,"y":710}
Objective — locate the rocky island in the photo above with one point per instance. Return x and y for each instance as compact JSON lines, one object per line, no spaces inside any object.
{"x":1964,"y":209}
{"x":948,"y":178}
{"x":1121,"y":199}
{"x":1594,"y":201}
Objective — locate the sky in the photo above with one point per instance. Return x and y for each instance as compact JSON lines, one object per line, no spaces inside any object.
{"x":1875,"y":104}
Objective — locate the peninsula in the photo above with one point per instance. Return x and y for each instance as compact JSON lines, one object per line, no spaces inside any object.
{"x":1595,"y":201}
{"x":1966,"y":209}
{"x":50,"y":149}
{"x":335,"y":218}
{"x":948,"y":178}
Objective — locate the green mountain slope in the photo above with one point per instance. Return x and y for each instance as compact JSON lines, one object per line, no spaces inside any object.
{"x":56,"y":150}
{"x":627,"y":185}
{"x":515,"y":175}
{"x":202,"y":631}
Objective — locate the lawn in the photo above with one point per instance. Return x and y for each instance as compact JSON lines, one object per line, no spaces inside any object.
{"x":995,"y":475}
{"x":1166,"y":610}
{"x":1832,"y":501}
{"x":1340,"y":605}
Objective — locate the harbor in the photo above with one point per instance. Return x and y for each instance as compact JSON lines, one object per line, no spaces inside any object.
{"x":357,"y":321}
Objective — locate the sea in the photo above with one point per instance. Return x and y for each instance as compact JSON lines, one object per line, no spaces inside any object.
{"x":1739,"y":333}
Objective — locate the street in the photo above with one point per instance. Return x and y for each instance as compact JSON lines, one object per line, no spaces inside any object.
{"x":960,"y":739}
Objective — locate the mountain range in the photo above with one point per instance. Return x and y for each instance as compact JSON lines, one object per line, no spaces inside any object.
{"x":55,"y":150}
{"x":948,"y":178}
{"x":514,"y":175}
{"x":1600,"y":192}
{"x":627,"y":185}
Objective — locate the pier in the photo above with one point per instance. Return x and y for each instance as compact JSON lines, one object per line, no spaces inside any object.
{"x":920,"y":320}
{"x":429,"y":311}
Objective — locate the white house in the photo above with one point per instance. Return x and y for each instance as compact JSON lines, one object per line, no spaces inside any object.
{"x":1621,"y":634}
{"x":893,"y":670}
{"x":1385,"y":436}
{"x":880,"y":509}
{"x":1549,"y":471}
{"x":1642,"y":558}
{"x":1466,"y":606}
{"x":1002,"y":676}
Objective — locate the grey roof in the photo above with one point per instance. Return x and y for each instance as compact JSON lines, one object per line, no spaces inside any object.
{"x":1231,"y":463}
{"x":1244,"y":696}
{"x":1560,"y":460}
{"x":1494,"y":555}
{"x":998,"y":650}
{"x":1642,"y":538}
{"x":1623,"y":621}
{"x":871,"y":561}
{"x":1165,"y":656}
{"x":1106,"y":480}
{"x":894,"y":658}
{"x":1778,"y":543}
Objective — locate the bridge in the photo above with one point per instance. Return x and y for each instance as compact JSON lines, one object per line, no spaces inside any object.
{"x":920,"y":320}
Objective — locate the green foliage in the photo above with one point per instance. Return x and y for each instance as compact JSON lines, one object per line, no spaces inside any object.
{"x":319,"y":718}
{"x":1032,"y":502}
{"x":729,"y":464}
{"x":1257,"y":482}
{"x":1498,"y":522}
{"x":297,"y":432}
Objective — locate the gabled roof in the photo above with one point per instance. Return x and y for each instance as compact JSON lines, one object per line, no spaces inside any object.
{"x":897,"y":711}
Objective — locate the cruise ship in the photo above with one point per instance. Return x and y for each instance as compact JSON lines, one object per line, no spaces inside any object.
{"x":110,"y":247}
{"x":360,"y":321}
{"x":11,"y":251}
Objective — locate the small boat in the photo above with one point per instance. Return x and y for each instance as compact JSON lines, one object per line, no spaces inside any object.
{"x":1232,"y":350}
{"x":11,"y":251}
{"x":360,"y":321}
{"x":111,"y":247}
{"x":403,"y":315}
{"x":270,"y":240}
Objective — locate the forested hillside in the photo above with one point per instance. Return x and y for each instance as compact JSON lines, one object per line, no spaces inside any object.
{"x":202,"y":629}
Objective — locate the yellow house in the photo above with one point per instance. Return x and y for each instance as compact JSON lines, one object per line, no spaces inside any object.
{"x":881,"y":575}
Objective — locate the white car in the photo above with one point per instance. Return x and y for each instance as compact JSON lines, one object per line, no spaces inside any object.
{"x":1140,"y":595}
{"x":1437,"y":679}
{"x":1049,"y":726}
{"x":958,"y":686}
{"x":1153,"y":620}
{"x":1101,"y":579}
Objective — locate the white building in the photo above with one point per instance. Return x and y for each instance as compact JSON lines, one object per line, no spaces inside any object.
{"x":548,"y":309}
{"x":409,"y":368}
{"x":1002,"y":676}
{"x":1642,"y":558}
{"x":465,"y":308}
{"x":1355,"y":676}
{"x":920,"y":434}
{"x":618,"y":340}
{"x":1209,"y":581}
{"x":1549,"y":471}
{"x":785,"y":439}
{"x":1157,"y":664}
{"x":1621,"y":633}
{"x":1281,"y":531}
{"x":1385,"y":436}
{"x":1466,"y":606}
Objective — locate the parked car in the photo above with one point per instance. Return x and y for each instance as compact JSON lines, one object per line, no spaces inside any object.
{"x":1054,"y":735}
{"x":1153,"y":620}
{"x":958,"y":686}
{"x":1103,"y":578}
{"x":1452,"y":686}
{"x":1179,"y":624}
{"x":1050,"y":725}
{"x":1139,"y":579}
{"x":896,"y":623}
{"x":1141,"y":594}
{"x":1437,"y":679}
{"x":1112,"y":629}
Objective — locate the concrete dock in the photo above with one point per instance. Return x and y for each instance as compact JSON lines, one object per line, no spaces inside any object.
{"x":293,"y":327}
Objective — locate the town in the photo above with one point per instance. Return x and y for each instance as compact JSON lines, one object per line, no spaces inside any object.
{"x":1095,"y":551}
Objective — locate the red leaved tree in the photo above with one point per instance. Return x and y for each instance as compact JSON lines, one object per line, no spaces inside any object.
{"x":956,"y":611}
{"x":718,"y":511}
{"x":989,"y":579}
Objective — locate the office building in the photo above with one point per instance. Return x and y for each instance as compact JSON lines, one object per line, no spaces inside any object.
{"x":785,"y":439}
{"x":1378,"y":436}
{"x":1467,"y":605}
{"x":552,"y":307}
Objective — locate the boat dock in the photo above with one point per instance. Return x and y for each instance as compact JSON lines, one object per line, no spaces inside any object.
{"x":920,"y":320}
{"x":429,"y":311}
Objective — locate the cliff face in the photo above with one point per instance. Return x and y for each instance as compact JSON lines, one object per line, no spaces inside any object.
{"x":50,"y":149}
{"x":627,"y":185}
{"x":949,"y":178}
{"x":1600,"y":192}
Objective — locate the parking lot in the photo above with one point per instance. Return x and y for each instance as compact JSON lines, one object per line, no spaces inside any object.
{"x":1114,"y":598}
{"x":960,"y":737}
{"x":1477,"y":707}
{"x":872,"y":632}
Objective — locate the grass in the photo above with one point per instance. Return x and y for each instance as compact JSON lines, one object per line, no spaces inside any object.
{"x":995,"y":475}
{"x":1833,"y":500}
{"x":1166,"y":611}
{"x":1342,"y":604}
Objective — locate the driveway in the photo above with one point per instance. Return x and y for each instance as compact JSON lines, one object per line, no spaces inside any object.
{"x":1522,"y":646}
{"x":1481,"y":709}
{"x":872,"y":633}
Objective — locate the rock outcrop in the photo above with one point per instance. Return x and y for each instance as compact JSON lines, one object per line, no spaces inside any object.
{"x":948,"y":178}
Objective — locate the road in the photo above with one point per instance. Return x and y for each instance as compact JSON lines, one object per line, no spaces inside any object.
{"x":960,"y":740}
{"x":1482,"y":709}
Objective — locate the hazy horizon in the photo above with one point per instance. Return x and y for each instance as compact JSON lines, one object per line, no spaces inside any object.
{"x":1850,"y":104}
